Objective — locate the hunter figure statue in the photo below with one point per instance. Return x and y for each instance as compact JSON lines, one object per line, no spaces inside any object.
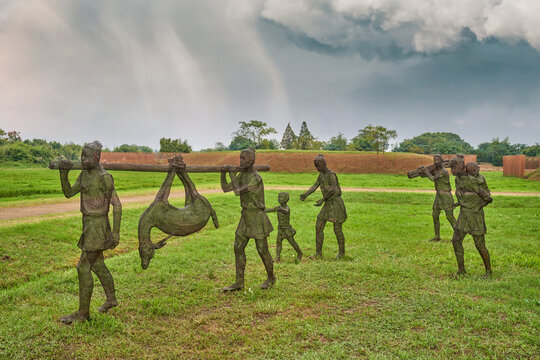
{"x":97,"y":194}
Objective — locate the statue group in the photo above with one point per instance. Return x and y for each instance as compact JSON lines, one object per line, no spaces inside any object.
{"x":96,"y":187}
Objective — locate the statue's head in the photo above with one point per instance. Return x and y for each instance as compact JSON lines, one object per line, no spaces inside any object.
{"x":247,"y":158}
{"x":283,"y":198}
{"x":146,"y":252}
{"x":90,"y":155}
{"x":472,"y":168}
{"x":457,"y":165}
{"x":437,"y":159}
{"x":320,"y":162}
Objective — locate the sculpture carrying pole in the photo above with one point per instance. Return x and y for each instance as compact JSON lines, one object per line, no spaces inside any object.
{"x":162,"y":168}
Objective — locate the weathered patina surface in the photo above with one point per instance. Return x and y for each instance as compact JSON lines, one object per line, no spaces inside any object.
{"x":285,"y":229}
{"x":254,"y":222}
{"x":333,"y":209}
{"x":97,"y":194}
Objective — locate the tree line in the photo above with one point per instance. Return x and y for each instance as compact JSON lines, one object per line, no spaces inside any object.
{"x":256,"y":134}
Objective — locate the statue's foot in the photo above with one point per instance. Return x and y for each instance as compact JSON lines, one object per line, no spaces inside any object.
{"x":316,"y":257}
{"x":340,"y":255}
{"x":233,"y":287}
{"x":461,"y":272}
{"x":436,"y":238}
{"x":76,"y":316}
{"x":107,"y":305}
{"x":488,"y":274}
{"x":298,"y":258}
{"x":268,"y":283}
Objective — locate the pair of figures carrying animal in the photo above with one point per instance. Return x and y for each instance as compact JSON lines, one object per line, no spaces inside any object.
{"x":473,"y":194}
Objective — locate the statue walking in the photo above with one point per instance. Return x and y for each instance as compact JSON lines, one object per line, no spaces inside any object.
{"x":333,"y":209}
{"x":97,"y":193}
{"x":473,"y":194}
{"x":443,"y":198}
{"x":285,"y":229}
{"x":254,"y":222}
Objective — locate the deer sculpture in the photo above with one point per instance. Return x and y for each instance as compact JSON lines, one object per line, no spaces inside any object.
{"x":170,"y":219}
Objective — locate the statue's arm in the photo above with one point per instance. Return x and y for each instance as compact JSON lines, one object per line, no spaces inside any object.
{"x":225,"y":185}
{"x":284,"y":209}
{"x":310,"y":190}
{"x":252,"y":185}
{"x":67,"y":189}
{"x":117,"y":208}
{"x":274,"y":209}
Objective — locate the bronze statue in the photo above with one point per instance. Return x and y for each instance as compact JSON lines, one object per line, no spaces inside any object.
{"x":443,"y":198}
{"x":170,"y":219}
{"x":254,"y":222}
{"x":285,"y":230}
{"x":333,"y":209}
{"x":97,"y":193}
{"x":473,"y":194}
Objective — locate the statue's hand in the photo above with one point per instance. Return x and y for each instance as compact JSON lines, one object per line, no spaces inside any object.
{"x":319,"y":202}
{"x":65,"y":164}
{"x":303,"y":197}
{"x":116,"y":238}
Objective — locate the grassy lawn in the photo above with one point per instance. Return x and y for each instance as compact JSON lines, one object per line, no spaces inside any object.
{"x":36,"y":185}
{"x":394,"y":296}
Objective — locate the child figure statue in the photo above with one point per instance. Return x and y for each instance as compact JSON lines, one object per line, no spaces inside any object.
{"x":97,"y":194}
{"x":285,"y":230}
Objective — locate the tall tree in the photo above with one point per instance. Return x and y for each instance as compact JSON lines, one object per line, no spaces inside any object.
{"x":305,"y":139}
{"x":132,"y":148}
{"x":254,"y":131}
{"x":174,"y":146}
{"x":378,"y":137}
{"x":494,"y":151}
{"x":288,"y":139}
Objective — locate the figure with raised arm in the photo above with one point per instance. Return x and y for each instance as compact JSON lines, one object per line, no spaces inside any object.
{"x":254,"y":223}
{"x":443,"y":197}
{"x":97,"y":194}
{"x":333,"y":209}
{"x":285,"y":229}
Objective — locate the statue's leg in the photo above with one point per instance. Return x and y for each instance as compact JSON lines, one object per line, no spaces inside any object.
{"x":264,"y":253}
{"x":450,"y":216}
{"x":319,"y":238}
{"x":340,"y":239}
{"x":106,"y":279}
{"x":279,"y":246}
{"x":436,"y":225}
{"x":480,"y":243}
{"x":86,"y":286}
{"x":240,"y":243}
{"x":165,"y":189}
{"x":189,"y":186}
{"x":297,"y":248}
{"x":457,"y":242}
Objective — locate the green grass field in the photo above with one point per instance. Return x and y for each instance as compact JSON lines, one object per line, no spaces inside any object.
{"x":395,"y":294}
{"x":38,"y":184}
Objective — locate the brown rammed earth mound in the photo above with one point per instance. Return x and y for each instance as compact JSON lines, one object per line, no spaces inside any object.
{"x":354,"y":163}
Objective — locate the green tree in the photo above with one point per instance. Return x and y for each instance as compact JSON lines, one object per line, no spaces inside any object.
{"x":533,"y":150}
{"x":435,"y":143}
{"x":374,"y":138}
{"x":174,"y":146}
{"x":132,"y":148}
{"x":289,"y":138}
{"x":336,"y":143}
{"x":305,"y":139}
{"x":493,"y":152}
{"x":254,"y":131}
{"x":240,"y":143}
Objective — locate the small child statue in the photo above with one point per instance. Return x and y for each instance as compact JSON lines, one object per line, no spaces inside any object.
{"x":285,"y":230}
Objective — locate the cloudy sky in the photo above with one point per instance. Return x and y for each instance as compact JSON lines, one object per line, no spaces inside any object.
{"x":133,"y":71}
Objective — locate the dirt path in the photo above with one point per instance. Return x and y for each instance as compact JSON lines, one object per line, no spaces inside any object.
{"x":72,"y":205}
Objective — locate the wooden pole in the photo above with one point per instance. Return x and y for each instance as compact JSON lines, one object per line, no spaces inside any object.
{"x":161,"y":168}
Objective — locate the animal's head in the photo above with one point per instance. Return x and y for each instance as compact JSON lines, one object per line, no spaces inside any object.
{"x":146,"y":252}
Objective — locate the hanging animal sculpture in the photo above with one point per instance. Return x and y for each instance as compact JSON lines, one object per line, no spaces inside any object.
{"x":170,"y":219}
